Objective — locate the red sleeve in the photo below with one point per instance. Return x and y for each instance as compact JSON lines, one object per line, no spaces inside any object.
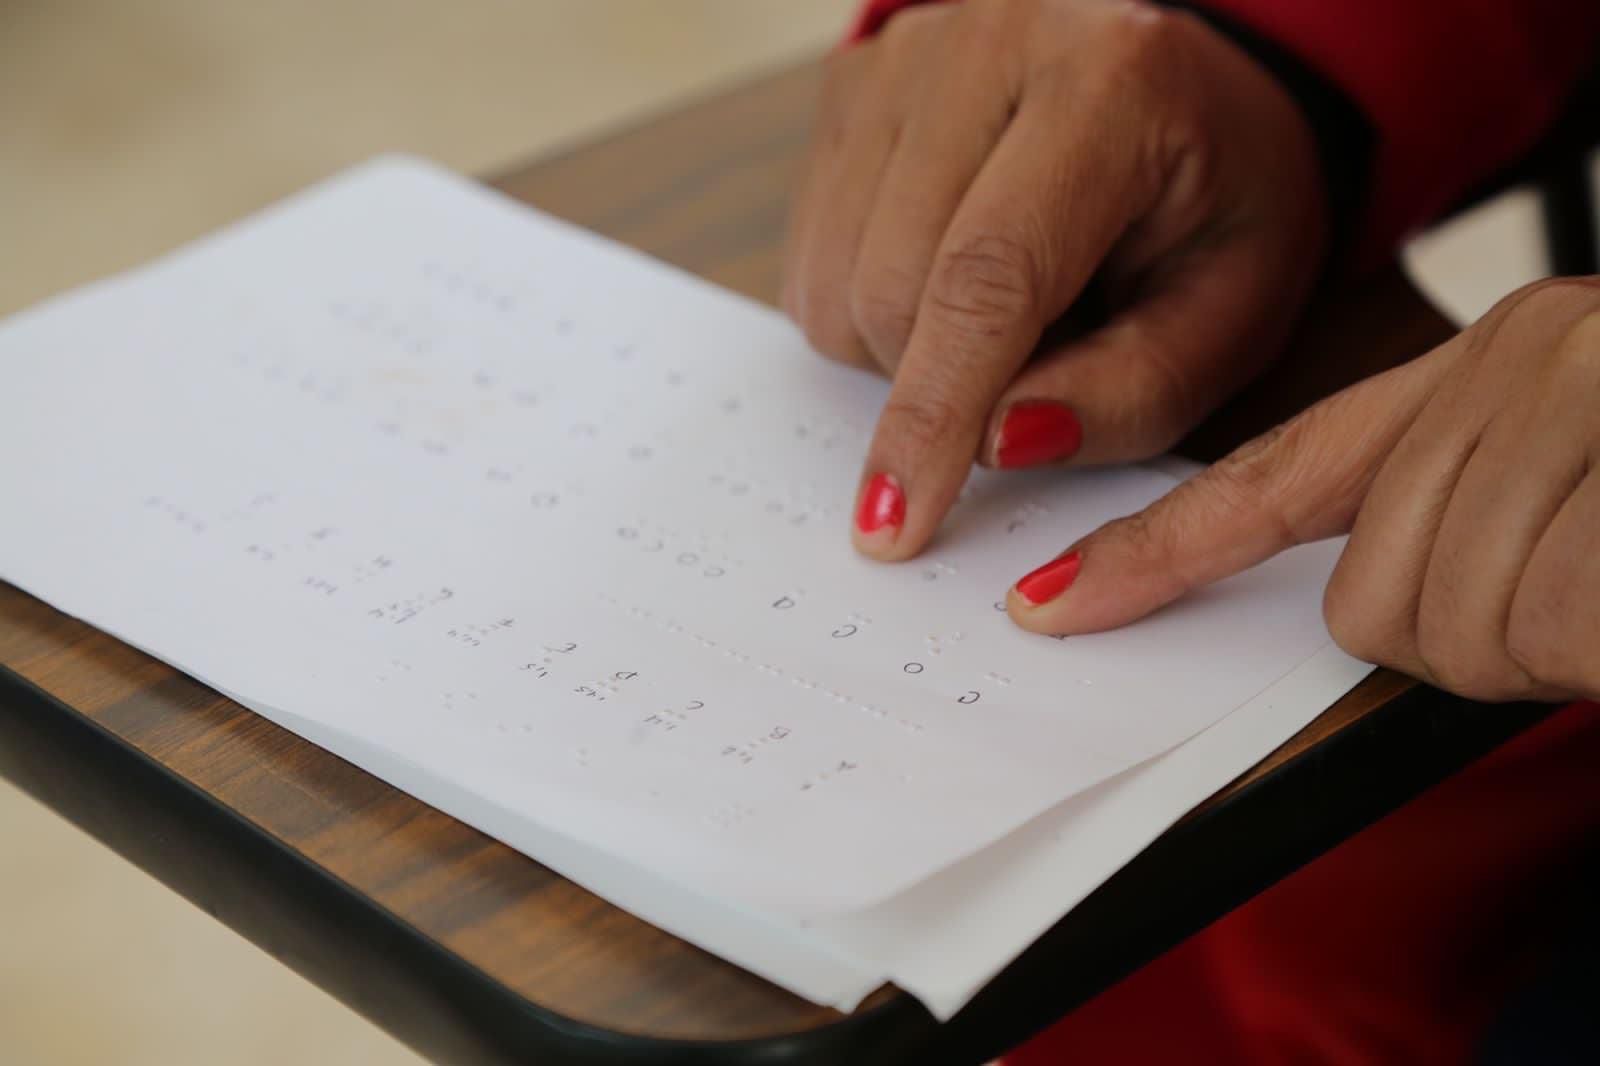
{"x":1454,"y":90}
{"x":1362,"y":956}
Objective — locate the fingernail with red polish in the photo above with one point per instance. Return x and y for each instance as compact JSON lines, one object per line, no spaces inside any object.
{"x":883,"y":505}
{"x":1037,"y":431}
{"x":1050,"y":580}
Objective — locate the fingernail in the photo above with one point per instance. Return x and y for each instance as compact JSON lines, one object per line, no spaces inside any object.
{"x":883,"y":505}
{"x":1050,"y":580}
{"x":1037,"y":431}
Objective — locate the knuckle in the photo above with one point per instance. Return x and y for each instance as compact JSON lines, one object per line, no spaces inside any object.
{"x":1580,"y":346}
{"x":1161,"y":409}
{"x":1539,"y":641}
{"x":1530,"y":645}
{"x":1551,"y":317}
{"x":884,"y":308}
{"x":1240,"y":484}
{"x":1439,"y":657}
{"x":1456,"y":662}
{"x":1252,"y":462}
{"x":1134,"y":56}
{"x":1144,"y":536}
{"x":1349,"y":624}
{"x":1144,"y":37}
{"x":984,"y":283}
{"x":826,"y":329}
{"x":1567,"y":288}
{"x":898,"y":28}
{"x":1550,"y":295}
{"x":1294,"y":474}
{"x":1156,"y":421}
{"x":836,"y":65}
{"x":986,"y":23}
{"x":908,"y":29}
{"x":842,"y":70}
{"x":922,"y":419}
{"x":1247,"y":479}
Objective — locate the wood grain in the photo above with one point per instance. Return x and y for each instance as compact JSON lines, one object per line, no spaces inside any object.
{"x":703,"y":188}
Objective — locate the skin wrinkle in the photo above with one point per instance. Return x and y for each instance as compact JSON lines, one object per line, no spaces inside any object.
{"x":1552,"y":627}
{"x":1427,"y":655}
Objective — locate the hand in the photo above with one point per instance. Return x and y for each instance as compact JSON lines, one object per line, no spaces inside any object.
{"x":975,"y":165}
{"x":1469,"y":481}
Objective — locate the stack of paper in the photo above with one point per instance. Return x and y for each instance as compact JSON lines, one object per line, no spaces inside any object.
{"x":553,"y":537}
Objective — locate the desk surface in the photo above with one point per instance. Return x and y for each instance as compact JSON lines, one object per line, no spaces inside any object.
{"x":473,"y":953}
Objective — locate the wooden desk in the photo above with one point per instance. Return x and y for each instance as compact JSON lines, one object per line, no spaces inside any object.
{"x":471,"y":952}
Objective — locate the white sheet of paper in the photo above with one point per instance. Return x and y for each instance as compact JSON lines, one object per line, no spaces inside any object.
{"x":553,"y":536}
{"x":943,"y":939}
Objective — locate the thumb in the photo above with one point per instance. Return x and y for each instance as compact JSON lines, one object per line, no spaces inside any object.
{"x":1133,"y":387}
{"x":1300,"y":482}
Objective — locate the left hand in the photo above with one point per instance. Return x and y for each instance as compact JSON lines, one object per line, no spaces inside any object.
{"x":1469,"y":480}
{"x":975,"y":165}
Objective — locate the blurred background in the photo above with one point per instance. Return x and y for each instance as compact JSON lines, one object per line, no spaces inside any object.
{"x":127,"y":128}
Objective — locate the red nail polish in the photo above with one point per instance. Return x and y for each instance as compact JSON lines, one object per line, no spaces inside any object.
{"x":1037,"y":431}
{"x":882,"y":504}
{"x":1050,"y":580}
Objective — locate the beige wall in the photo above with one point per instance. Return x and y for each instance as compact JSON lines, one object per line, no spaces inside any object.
{"x":128,"y":125}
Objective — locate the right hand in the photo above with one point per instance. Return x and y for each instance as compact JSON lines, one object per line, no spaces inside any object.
{"x":1468,"y":480}
{"x":975,"y":165}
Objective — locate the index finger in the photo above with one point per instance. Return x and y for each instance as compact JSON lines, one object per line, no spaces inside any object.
{"x":1303,"y":481}
{"x":1025,"y":239}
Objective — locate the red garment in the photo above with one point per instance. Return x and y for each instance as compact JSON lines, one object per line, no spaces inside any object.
{"x":1455,"y":90}
{"x":1398,"y":946}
